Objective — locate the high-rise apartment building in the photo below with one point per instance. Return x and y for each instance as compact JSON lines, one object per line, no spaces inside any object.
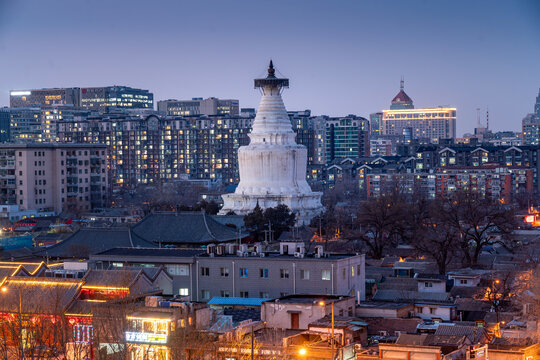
{"x":149,"y":149}
{"x":102,"y":98}
{"x":375,"y":121}
{"x":50,"y":116}
{"x":45,"y":97}
{"x":530,"y":129}
{"x":53,"y":177}
{"x":346,"y":137}
{"x":530,"y":125}
{"x":199,"y":106}
{"x":429,"y":123}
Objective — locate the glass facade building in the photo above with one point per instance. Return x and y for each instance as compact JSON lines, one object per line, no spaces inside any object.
{"x":102,"y":98}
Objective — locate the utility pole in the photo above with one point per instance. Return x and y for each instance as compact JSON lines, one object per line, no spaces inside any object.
{"x":252,"y":342}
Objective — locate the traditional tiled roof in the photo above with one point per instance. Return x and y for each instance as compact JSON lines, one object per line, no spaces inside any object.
{"x":239,"y":315}
{"x":413,"y":296}
{"x":375,"y":325}
{"x":112,"y":278}
{"x":160,"y":252}
{"x":88,"y":241}
{"x":473,"y":333}
{"x":184,"y":228}
{"x":39,"y":295}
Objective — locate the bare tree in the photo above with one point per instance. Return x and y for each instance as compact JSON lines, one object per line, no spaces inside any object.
{"x":474,"y":219}
{"x":381,"y":222}
{"x":434,"y":236}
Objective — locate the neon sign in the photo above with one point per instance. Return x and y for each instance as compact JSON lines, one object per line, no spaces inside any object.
{"x":140,"y":337}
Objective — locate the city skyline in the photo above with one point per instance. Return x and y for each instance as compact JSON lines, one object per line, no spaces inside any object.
{"x":481,"y":55}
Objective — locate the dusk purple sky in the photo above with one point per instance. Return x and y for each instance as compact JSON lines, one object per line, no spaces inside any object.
{"x":342,"y":56}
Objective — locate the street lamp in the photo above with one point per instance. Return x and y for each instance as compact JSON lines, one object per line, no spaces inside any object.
{"x":302,"y":352}
{"x":322,"y":303}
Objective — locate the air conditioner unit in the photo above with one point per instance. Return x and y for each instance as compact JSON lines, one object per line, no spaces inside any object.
{"x":296,"y":254}
{"x":220,"y":249}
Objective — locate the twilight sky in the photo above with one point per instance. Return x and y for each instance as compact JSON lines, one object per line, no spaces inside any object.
{"x":342,"y":57}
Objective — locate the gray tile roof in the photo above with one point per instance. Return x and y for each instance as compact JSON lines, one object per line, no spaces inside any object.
{"x":413,"y":296}
{"x":184,"y":228}
{"x":88,"y":241}
{"x":160,"y":252}
{"x":473,"y":333}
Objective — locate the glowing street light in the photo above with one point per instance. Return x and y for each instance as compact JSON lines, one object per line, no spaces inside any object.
{"x":323,"y":304}
{"x":302,"y":352}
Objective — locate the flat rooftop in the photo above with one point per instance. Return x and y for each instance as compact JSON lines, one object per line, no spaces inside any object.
{"x":201,"y":252}
{"x":308,"y":299}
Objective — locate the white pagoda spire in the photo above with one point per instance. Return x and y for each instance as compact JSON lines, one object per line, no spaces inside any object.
{"x":273,"y":166}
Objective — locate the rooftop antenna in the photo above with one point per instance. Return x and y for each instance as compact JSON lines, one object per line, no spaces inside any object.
{"x":402,"y":83}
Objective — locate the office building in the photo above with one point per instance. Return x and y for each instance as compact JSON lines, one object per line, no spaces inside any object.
{"x":346,"y":137}
{"x":53,"y":177}
{"x":5,"y":120}
{"x":45,"y":97}
{"x":101,"y":99}
{"x":401,"y":100}
{"x":199,"y":106}
{"x":430,"y":123}
{"x":229,"y":270}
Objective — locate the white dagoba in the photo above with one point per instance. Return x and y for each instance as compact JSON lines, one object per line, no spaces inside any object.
{"x":273,"y":166}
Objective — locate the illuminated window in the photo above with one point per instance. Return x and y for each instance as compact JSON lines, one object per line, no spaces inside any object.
{"x":325,"y":275}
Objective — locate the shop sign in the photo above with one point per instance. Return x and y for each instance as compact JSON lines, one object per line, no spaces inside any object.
{"x":140,"y":337}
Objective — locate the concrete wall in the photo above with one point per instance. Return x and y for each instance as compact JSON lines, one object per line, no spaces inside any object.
{"x":467,"y":281}
{"x":431,"y":286}
{"x":384,"y":313}
{"x":444,"y":313}
{"x":278,"y":314}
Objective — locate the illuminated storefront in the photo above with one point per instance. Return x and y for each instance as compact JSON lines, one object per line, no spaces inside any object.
{"x":148,"y":336}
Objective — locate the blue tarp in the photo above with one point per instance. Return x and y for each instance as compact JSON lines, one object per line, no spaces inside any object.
{"x":16,"y":242}
{"x":236,"y":301}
